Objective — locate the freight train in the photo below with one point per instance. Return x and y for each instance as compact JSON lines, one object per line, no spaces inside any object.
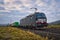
{"x":36,"y":20}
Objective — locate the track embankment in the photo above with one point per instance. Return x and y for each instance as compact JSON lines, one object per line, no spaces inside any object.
{"x":51,"y":33}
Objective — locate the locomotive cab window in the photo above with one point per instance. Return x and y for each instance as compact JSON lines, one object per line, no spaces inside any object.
{"x":40,"y":16}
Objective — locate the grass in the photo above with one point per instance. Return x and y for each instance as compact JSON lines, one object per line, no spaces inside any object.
{"x":54,"y":26}
{"x":11,"y":33}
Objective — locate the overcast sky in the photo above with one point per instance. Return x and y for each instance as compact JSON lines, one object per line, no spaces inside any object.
{"x":14,"y":10}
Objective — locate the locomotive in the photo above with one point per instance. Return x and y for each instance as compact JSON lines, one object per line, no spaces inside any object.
{"x":15,"y":24}
{"x":36,"y":20}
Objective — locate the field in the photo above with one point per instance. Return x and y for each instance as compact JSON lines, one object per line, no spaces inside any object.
{"x":54,"y":26}
{"x":12,"y":33}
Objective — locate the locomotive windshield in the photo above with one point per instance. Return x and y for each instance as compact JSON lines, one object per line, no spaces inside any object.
{"x":40,"y":15}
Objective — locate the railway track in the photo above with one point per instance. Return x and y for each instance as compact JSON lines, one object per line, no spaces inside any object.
{"x":52,"y":34}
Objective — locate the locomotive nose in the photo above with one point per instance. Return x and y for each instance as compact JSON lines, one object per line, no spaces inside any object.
{"x":41,"y":21}
{"x":38,"y":22}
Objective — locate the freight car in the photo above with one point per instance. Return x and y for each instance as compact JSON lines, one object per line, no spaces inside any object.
{"x":36,"y":20}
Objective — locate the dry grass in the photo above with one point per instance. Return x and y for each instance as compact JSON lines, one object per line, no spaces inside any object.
{"x":54,"y":26}
{"x":11,"y":33}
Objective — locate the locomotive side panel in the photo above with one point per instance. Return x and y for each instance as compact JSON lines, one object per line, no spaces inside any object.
{"x":32,"y":20}
{"x":28,"y":21}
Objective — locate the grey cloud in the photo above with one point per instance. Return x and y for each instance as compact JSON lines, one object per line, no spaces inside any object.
{"x":2,"y":2}
{"x":2,"y":8}
{"x":17,"y":2}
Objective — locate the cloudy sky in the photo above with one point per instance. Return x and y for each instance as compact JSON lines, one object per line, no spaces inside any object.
{"x":14,"y":10}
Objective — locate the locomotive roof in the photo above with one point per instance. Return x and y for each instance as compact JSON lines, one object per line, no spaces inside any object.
{"x":39,"y":12}
{"x":33,"y":14}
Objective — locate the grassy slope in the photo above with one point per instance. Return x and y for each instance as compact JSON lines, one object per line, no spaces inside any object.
{"x":11,"y":33}
{"x":54,"y":26}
